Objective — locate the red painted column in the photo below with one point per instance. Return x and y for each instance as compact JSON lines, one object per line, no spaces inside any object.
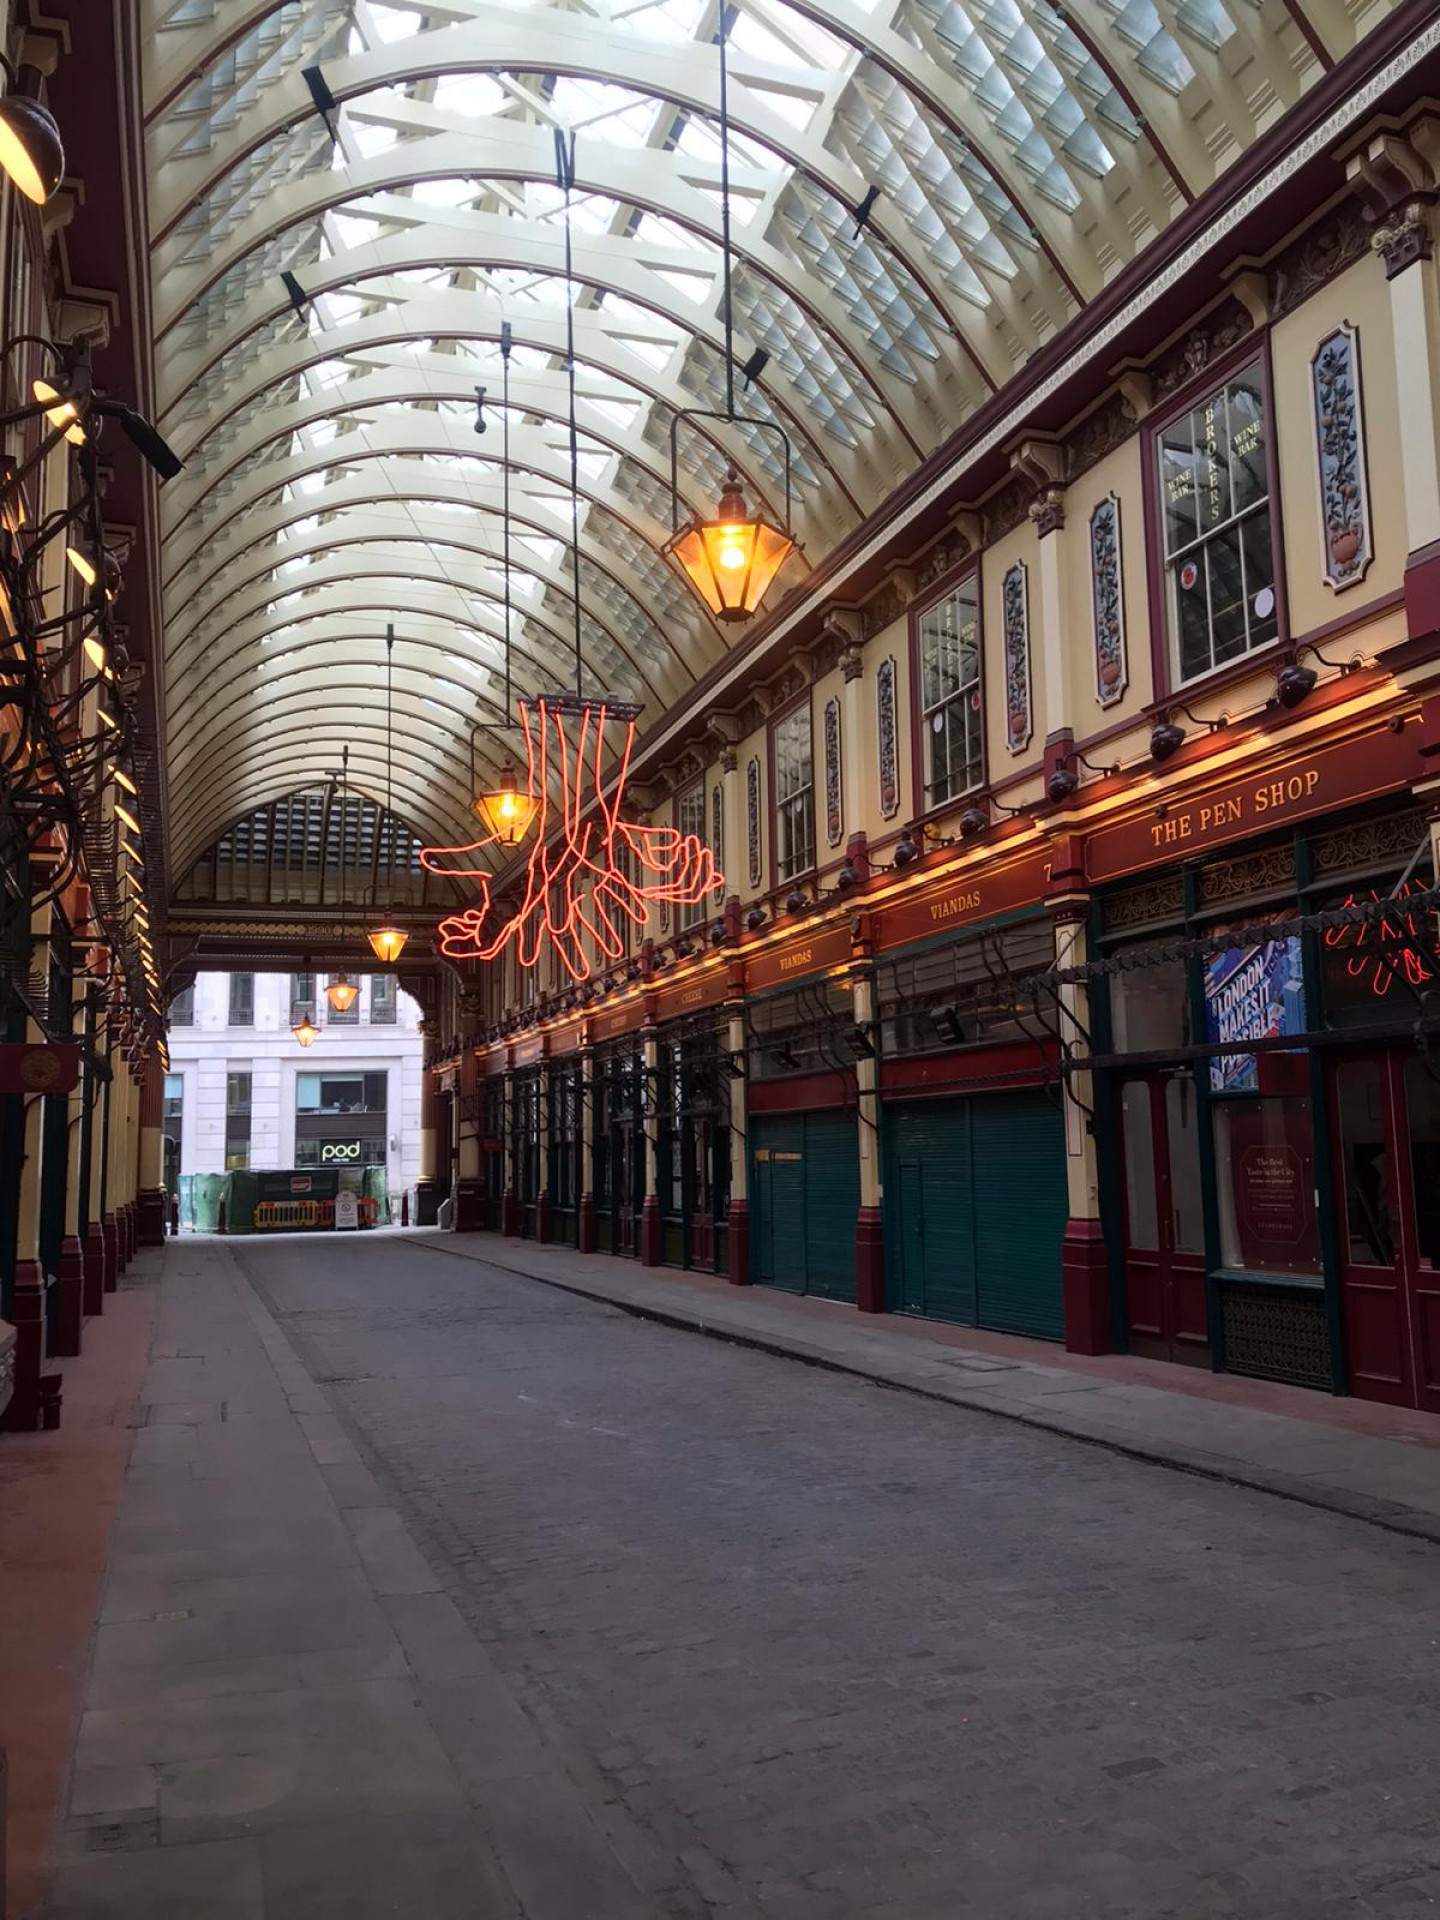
{"x":1085,"y":1280}
{"x":869,"y":1261}
{"x":737,"y":1244}
{"x":92,"y":1258}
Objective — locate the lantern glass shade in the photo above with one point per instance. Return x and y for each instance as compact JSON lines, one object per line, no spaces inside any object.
{"x":387,"y":943}
{"x":341,"y":993}
{"x":59,"y":411}
{"x":305,"y":1031}
{"x":30,"y":149}
{"x":505,"y":812}
{"x":731,"y":560}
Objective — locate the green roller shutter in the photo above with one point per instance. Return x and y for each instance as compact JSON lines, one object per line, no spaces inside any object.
{"x":805,"y":1195}
{"x":975,"y":1209}
{"x":1018,"y":1160}
{"x":930,"y":1239}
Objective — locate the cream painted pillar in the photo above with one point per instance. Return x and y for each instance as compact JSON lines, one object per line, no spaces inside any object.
{"x":1396,"y":173}
{"x":737,"y":876}
{"x":1084,"y":1265}
{"x":1415,"y":326}
{"x":869,"y":1225}
{"x":737,"y":1225}
{"x":852,"y":756}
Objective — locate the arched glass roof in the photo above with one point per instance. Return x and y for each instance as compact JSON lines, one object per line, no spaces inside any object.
{"x":348,"y":199}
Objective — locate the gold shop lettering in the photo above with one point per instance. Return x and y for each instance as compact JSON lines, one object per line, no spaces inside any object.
{"x":1232,"y":809}
{"x":801,"y":958}
{"x":957,"y":903}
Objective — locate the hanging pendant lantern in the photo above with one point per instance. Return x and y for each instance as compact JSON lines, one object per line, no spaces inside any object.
{"x":305,"y":1031}
{"x":506,"y":811}
{"x":731,"y":560}
{"x":342,"y":993}
{"x":387,"y":943}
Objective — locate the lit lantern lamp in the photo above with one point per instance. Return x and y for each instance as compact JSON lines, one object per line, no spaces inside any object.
{"x":387,"y":942}
{"x":305,"y":1031}
{"x":60,"y":411}
{"x":506,"y":812}
{"x":731,"y":560}
{"x":341,"y":993}
{"x":30,"y":150}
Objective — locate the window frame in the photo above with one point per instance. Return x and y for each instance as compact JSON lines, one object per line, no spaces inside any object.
{"x":1166,"y":680}
{"x":695,"y":913}
{"x":248,"y":1019}
{"x":952,"y":583}
{"x":778,"y":878}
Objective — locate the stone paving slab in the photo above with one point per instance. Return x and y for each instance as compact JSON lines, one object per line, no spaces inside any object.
{"x":283,"y":1718}
{"x":1392,"y":1482}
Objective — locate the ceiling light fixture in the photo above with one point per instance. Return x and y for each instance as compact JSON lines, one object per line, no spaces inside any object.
{"x":387,"y":941}
{"x":305,"y":1031}
{"x":31,"y":151}
{"x":342,"y":991}
{"x":730,"y":561}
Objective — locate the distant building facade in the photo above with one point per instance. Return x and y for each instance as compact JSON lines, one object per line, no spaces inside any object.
{"x":241,"y":1091}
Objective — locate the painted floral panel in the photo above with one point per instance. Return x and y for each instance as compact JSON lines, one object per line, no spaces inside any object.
{"x":1015,"y":628}
{"x":717,"y":825}
{"x":834,"y":819}
{"x":889,"y":750}
{"x":1340,"y":447}
{"x":1107,"y":593}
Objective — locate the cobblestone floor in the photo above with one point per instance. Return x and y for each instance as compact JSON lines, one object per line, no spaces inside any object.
{"x":839,"y":1652}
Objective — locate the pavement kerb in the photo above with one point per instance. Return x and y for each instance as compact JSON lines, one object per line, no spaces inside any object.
{"x":1392,"y":1516}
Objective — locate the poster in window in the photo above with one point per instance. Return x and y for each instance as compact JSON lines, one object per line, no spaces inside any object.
{"x":1272,"y":1186}
{"x":1251,"y":993}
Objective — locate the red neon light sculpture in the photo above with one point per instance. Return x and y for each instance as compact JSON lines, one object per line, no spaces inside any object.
{"x":1381,"y":969}
{"x":578,"y":886}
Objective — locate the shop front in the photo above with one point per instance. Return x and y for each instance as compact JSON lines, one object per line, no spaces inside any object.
{"x":971,"y":1117}
{"x":803,"y":1125}
{"x":619,"y":1151}
{"x":1269,"y":1106}
{"x":526,"y":1095}
{"x":565,"y":1138}
{"x":692,"y":1126}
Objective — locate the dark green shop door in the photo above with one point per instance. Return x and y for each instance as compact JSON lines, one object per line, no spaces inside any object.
{"x":805,"y":1189}
{"x":975,"y":1209}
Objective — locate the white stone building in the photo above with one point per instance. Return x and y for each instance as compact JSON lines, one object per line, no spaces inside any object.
{"x":242,"y":1092}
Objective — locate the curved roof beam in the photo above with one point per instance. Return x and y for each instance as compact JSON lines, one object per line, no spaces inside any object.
{"x":454,"y":314}
{"x":543,"y":396}
{"x":493,"y":39}
{"x":394,"y":482}
{"x":602,"y":262}
{"x":303,"y":706}
{"x":380,"y":583}
{"x":356,"y":618}
{"x":241,"y":597}
{"x":377,"y":488}
{"x":661,"y":183}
